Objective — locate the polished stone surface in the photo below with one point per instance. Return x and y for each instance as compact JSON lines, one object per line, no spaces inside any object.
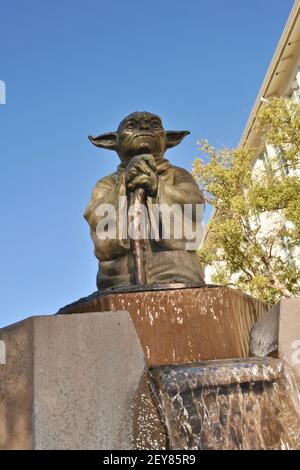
{"x":264,"y":334}
{"x":184,"y":325}
{"x":278,"y":332}
{"x":76,"y":382}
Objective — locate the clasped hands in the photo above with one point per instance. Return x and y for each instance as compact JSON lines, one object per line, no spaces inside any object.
{"x":140,"y":173}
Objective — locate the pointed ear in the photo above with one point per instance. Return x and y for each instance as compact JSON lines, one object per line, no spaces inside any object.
{"x":175,"y":137}
{"x":106,"y":141}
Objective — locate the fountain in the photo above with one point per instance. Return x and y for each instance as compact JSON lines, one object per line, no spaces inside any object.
{"x":196,"y":338}
{"x":171,"y":351}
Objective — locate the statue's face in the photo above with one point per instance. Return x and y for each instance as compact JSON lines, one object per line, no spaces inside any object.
{"x":140,"y":133}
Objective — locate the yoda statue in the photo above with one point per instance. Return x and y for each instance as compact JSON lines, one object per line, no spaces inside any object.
{"x":171,"y":210}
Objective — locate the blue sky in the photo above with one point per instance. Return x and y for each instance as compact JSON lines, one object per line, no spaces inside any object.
{"x":78,"y":67}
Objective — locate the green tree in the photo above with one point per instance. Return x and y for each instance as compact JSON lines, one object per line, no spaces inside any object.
{"x":253,"y":237}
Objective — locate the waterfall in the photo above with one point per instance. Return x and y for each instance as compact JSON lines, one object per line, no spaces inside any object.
{"x":228,"y":404}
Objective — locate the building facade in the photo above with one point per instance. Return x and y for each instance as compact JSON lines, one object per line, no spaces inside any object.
{"x":282,"y":80}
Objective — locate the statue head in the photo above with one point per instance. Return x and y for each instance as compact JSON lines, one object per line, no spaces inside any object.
{"x":139,"y":133}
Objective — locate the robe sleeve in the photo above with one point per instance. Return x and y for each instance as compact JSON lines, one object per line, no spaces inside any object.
{"x":186,"y":200}
{"x":104,"y":214}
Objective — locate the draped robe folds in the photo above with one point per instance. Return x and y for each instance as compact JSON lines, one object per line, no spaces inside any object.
{"x":165,"y":260}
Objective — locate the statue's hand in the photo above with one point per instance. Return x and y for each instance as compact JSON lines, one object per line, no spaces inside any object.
{"x":140,"y":173}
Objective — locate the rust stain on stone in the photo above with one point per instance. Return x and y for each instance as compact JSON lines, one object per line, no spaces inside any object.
{"x":185,"y":325}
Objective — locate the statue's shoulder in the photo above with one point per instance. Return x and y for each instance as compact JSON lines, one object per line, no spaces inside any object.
{"x":178,"y":171}
{"x":106,"y":181}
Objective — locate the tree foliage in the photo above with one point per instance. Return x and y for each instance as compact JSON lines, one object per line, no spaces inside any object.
{"x":253,"y":237}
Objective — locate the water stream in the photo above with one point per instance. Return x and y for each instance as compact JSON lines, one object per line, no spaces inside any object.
{"x":229,"y":404}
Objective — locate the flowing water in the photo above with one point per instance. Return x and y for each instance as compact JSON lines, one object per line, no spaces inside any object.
{"x":229,"y":404}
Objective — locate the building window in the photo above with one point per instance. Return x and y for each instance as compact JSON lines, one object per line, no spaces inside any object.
{"x":296,"y":95}
{"x":288,"y":252}
{"x":284,"y":168}
{"x":264,"y":157}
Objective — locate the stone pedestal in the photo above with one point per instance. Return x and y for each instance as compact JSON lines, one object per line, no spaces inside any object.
{"x":184,"y":325}
{"x":278,"y":333}
{"x":76,"y":382}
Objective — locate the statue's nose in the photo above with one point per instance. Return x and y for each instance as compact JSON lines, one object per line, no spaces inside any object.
{"x":144,"y":125}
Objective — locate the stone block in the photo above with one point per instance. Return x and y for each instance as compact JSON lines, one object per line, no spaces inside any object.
{"x":264,"y":334}
{"x":76,"y":382}
{"x":278,"y":332}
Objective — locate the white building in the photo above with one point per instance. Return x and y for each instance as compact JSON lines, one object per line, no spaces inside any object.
{"x":282,"y":79}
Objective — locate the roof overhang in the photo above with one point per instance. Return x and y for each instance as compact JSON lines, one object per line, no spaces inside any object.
{"x":284,"y":63}
{"x":278,"y":75}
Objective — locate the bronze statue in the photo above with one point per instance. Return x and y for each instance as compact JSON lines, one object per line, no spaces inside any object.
{"x":144,"y":176}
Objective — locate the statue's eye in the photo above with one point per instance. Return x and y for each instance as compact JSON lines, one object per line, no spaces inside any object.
{"x":131,"y":124}
{"x":155,"y":124}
